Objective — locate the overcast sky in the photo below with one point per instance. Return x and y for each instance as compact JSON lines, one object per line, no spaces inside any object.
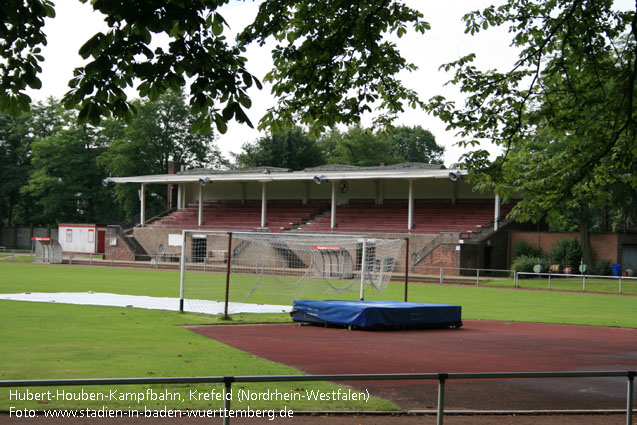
{"x":76,"y":22}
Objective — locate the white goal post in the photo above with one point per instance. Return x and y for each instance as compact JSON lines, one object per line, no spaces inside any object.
{"x":227,"y":269}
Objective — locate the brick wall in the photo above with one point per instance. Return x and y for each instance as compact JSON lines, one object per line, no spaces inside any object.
{"x":604,"y":245}
{"x":445,"y":255}
{"x":118,"y":252}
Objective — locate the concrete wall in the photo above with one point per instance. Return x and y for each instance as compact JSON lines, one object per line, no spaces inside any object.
{"x":152,"y":240}
{"x":20,"y":237}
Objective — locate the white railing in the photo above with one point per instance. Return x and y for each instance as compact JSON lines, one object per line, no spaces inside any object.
{"x":619,"y":280}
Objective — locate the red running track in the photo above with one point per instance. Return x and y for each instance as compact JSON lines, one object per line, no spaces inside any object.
{"x":479,"y":346}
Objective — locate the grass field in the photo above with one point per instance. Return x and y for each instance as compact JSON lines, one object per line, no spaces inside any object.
{"x":9,"y":258}
{"x":477,"y":302}
{"x":57,"y":341}
{"x":42,"y":341}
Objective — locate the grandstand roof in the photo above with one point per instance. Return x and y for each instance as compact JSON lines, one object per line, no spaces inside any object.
{"x":409,"y":170}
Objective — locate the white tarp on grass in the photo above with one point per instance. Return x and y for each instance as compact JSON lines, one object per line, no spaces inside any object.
{"x":138,"y":301}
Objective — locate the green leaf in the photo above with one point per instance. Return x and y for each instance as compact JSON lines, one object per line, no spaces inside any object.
{"x":91,"y":46}
{"x":35,"y":83}
{"x":217,"y":24}
{"x":222,"y":126}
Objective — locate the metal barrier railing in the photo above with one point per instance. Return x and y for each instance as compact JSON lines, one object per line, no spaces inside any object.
{"x":477,"y":274}
{"x":584,"y":277}
{"x":442,"y":378}
{"x":437,"y":274}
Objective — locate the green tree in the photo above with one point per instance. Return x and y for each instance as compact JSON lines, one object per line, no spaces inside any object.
{"x":160,"y":132}
{"x":16,"y":138}
{"x":622,"y":211}
{"x":66,"y":181}
{"x":414,"y":144}
{"x":293,"y":149}
{"x":359,"y":146}
{"x":332,"y":59}
{"x":364,"y":147}
{"x":15,"y":145}
{"x":564,"y":115}
{"x":21,"y":37}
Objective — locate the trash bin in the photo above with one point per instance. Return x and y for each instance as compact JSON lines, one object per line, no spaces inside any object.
{"x":617,"y":269}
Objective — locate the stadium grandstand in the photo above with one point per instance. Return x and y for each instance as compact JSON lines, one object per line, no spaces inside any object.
{"x":448,"y":223}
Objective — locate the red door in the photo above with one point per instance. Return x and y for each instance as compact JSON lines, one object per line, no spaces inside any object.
{"x":101,"y":241}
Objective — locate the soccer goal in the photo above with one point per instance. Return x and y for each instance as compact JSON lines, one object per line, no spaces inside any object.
{"x":222,"y":271}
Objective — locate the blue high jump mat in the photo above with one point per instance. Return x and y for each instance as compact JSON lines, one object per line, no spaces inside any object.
{"x":377,"y":314}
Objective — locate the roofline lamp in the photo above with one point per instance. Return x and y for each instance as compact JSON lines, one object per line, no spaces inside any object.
{"x":319,"y":179}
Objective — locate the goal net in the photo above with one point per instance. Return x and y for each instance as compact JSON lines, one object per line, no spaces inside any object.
{"x":274,"y":269}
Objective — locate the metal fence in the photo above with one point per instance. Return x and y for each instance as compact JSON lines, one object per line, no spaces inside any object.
{"x":442,"y":379}
{"x":430,"y":274}
{"x":551,"y":278}
{"x":16,"y":255}
{"x":465,"y":275}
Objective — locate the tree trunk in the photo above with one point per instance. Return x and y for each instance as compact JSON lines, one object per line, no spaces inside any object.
{"x":585,"y":241}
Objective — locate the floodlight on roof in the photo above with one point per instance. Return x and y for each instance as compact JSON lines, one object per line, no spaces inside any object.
{"x":454,"y":176}
{"x":204,"y":181}
{"x":319,"y":179}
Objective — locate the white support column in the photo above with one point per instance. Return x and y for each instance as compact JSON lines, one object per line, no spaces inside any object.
{"x":180,"y":193}
{"x":410,"y":213}
{"x":142,"y":201}
{"x":264,"y":204}
{"x":496,"y":215}
{"x":200,"y":212}
{"x":333,"y":212}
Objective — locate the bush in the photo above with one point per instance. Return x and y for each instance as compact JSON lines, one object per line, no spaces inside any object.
{"x":567,"y":252}
{"x":522,"y":247}
{"x":602,"y":268}
{"x":525,"y":263}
